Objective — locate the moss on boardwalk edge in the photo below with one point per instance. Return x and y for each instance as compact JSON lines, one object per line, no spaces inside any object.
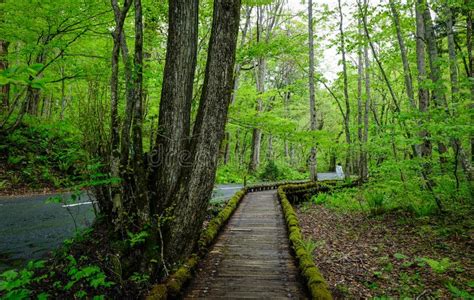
{"x":174,"y":285}
{"x":316,"y":284}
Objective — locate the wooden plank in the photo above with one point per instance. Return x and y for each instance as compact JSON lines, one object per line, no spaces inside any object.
{"x":251,"y":258}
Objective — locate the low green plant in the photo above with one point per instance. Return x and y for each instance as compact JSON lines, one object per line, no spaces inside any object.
{"x":320,"y":198}
{"x":457,"y":292}
{"x":15,"y":284}
{"x":92,"y":274}
{"x":376,"y":201}
{"x":137,"y":238}
{"x":439,"y":266}
{"x":309,"y":245}
{"x":139,"y":278}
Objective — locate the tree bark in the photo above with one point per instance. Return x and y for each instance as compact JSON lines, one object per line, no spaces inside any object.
{"x":170,"y":152}
{"x":313,"y":164}
{"x":197,"y":178}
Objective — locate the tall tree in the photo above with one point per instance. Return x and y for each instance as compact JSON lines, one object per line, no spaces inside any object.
{"x":403,"y":53}
{"x":4,"y":89}
{"x":345,"y":89}
{"x":197,"y":177}
{"x":175,"y":107}
{"x":423,"y":95}
{"x":267,"y":18}
{"x":115,"y":194}
{"x":438,"y":94}
{"x":312,"y":102}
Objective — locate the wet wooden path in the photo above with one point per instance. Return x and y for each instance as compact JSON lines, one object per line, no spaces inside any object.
{"x":251,"y":257}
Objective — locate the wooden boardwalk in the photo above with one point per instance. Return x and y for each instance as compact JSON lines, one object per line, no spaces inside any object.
{"x":251,"y":257}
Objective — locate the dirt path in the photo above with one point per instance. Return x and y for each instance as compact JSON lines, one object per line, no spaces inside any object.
{"x":251,"y":258}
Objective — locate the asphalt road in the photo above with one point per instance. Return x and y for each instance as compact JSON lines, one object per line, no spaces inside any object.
{"x":30,"y":227}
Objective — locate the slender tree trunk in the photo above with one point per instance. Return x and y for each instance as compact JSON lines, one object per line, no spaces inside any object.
{"x":313,"y":164}
{"x":197,"y":179}
{"x":461,"y":157}
{"x":270,"y":148}
{"x":438,"y":94}
{"x":453,"y":68}
{"x":257,"y":133}
{"x":248,"y":14}
{"x":423,"y":95}
{"x":360,"y":75}
{"x":4,"y":89}
{"x":403,"y":53}
{"x":267,"y":17}
{"x":469,"y":43}
{"x":364,"y":169}
{"x":141,"y":202}
{"x":170,"y":152}
{"x":346,"y":92}
{"x":115,"y":192}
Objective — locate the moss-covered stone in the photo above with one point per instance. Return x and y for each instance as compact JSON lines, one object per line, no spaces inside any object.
{"x":158,"y":292}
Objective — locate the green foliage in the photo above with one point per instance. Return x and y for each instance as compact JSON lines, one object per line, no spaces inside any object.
{"x":137,"y":238}
{"x":91,"y":274}
{"x":376,"y":201}
{"x":15,"y":285}
{"x":274,"y":171}
{"x":270,"y":172}
{"x":457,"y":292}
{"x":40,"y":153}
{"x":439,"y":266}
{"x":231,"y":174}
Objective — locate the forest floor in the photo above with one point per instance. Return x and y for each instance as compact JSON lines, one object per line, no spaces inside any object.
{"x":393,"y":254}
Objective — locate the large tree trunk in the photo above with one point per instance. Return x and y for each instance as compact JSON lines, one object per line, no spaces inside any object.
{"x":197,"y":178}
{"x":170,"y":152}
{"x":313,"y":169}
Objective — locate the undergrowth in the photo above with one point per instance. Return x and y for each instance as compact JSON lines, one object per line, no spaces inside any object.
{"x":41,"y":154}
